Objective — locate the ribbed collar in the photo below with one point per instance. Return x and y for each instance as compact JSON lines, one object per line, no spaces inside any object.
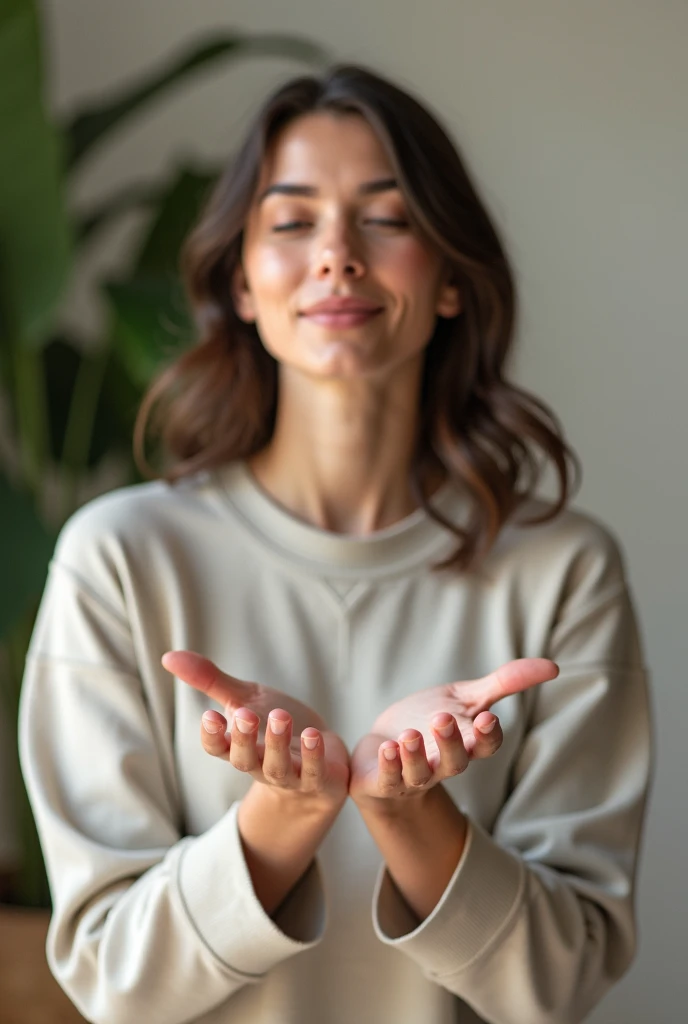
{"x":414,"y":541}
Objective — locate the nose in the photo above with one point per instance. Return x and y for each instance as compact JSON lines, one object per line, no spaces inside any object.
{"x":337,"y":258}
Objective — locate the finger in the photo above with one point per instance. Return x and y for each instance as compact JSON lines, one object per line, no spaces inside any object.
{"x":278,"y":767}
{"x":389,"y":779}
{"x":513,"y":677}
{"x":204,"y":675}
{"x":415,"y":770}
{"x":313,"y":763}
{"x":243,"y":753}
{"x":453,"y":757}
{"x":487,"y":736}
{"x":214,"y":734}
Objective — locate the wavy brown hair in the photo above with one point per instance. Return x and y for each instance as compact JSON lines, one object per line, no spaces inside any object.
{"x":218,"y":401}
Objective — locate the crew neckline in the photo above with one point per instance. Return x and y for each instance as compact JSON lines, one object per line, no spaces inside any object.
{"x":413,"y":541}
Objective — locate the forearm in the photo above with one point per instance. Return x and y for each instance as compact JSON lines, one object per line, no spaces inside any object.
{"x":281,"y":832}
{"x":421,"y":839}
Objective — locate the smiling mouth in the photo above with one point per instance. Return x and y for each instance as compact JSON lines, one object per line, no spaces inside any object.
{"x":349,"y":318}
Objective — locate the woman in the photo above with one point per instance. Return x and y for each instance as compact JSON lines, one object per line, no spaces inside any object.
{"x":433,"y":698}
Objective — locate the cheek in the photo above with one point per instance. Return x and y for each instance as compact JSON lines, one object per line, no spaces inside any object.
{"x":274,"y":278}
{"x":410,"y":264}
{"x":414,"y":272}
{"x":272,"y":271}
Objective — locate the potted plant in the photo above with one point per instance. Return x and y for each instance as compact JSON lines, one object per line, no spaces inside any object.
{"x":68,"y":402}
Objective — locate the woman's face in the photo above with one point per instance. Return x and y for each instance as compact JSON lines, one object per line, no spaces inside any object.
{"x":328,"y":220}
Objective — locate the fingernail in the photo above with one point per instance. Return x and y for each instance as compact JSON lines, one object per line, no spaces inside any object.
{"x":310,"y":742}
{"x":445,"y":731}
{"x":243,"y":724}
{"x":389,"y":752}
{"x":277,"y":725}
{"x":412,"y":745}
{"x":211,"y":726}
{"x":489,"y":727}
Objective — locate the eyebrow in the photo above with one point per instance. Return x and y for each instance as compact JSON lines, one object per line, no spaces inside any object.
{"x":286,"y":189}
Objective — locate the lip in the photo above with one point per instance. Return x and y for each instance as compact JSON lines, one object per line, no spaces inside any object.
{"x":350,"y":318}
{"x":341,"y":304}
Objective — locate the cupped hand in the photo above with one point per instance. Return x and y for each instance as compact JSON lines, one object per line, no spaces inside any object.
{"x":468,"y":704}
{"x":232,"y":693}
{"x":384,"y":768}
{"x":431,"y":735}
{"x":275,"y":738}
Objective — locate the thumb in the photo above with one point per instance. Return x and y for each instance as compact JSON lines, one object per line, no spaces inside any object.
{"x":204,"y":675}
{"x":512,"y":677}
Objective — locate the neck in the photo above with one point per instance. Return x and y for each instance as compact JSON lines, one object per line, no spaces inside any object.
{"x":340,"y":456}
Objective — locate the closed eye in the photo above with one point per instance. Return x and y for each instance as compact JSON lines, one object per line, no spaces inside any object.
{"x":288,"y":227}
{"x":301,"y":223}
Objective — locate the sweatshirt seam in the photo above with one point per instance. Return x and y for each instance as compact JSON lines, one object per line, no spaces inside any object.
{"x":41,"y":657}
{"x":238,"y":974}
{"x":344,"y":603}
{"x":335,"y":600}
{"x":584,"y":667}
{"x":571,"y":620}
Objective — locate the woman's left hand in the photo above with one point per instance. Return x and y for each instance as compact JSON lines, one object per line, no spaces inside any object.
{"x":431,"y":735}
{"x":386,"y":768}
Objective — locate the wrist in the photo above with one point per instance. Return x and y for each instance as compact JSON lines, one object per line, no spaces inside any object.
{"x":407,"y":808}
{"x":281,"y":832}
{"x":421,"y":839}
{"x":287,"y":807}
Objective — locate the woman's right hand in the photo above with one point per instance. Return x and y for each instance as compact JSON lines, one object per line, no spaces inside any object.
{"x":298,"y":789}
{"x":275,"y":738}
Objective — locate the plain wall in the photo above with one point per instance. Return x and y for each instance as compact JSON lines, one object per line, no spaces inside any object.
{"x":573,"y":118}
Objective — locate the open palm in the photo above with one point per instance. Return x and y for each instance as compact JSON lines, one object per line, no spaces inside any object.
{"x":232,"y":693}
{"x":468,"y":702}
{"x":277,"y":739}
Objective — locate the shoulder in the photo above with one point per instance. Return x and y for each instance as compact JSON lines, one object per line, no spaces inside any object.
{"x":564,"y":581}
{"x":128,"y":522}
{"x":573,"y":533}
{"x":576,"y":551}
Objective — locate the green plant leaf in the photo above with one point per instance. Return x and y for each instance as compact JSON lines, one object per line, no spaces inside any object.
{"x":178,"y":209}
{"x":63,"y":361}
{"x":122,"y":397}
{"x":26,"y":547}
{"x":150,"y":319}
{"x":128,"y":198}
{"x":150,"y":324}
{"x":93,"y":123}
{"x":35,"y":237}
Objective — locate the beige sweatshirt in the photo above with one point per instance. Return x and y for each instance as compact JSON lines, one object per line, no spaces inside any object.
{"x":155,"y":919}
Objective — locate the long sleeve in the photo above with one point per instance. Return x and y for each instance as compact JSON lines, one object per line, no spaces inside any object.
{"x":148,"y":924}
{"x":538,"y":920}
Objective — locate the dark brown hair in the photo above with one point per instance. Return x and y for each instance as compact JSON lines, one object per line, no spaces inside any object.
{"x":218,"y":401}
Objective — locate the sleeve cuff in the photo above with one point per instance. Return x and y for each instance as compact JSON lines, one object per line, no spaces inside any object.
{"x":477,"y":906}
{"x":218,"y":895}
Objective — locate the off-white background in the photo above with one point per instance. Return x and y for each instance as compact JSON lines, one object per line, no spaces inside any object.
{"x":573,"y":117}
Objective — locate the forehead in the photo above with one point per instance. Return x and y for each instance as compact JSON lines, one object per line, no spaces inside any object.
{"x":325,"y":149}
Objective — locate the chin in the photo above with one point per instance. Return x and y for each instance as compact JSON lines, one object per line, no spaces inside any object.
{"x":344,"y":360}
{"x":340,"y":369}
{"x":341,"y":360}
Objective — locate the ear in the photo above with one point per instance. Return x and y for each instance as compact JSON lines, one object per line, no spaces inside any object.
{"x":241,"y":296}
{"x":449,"y":299}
